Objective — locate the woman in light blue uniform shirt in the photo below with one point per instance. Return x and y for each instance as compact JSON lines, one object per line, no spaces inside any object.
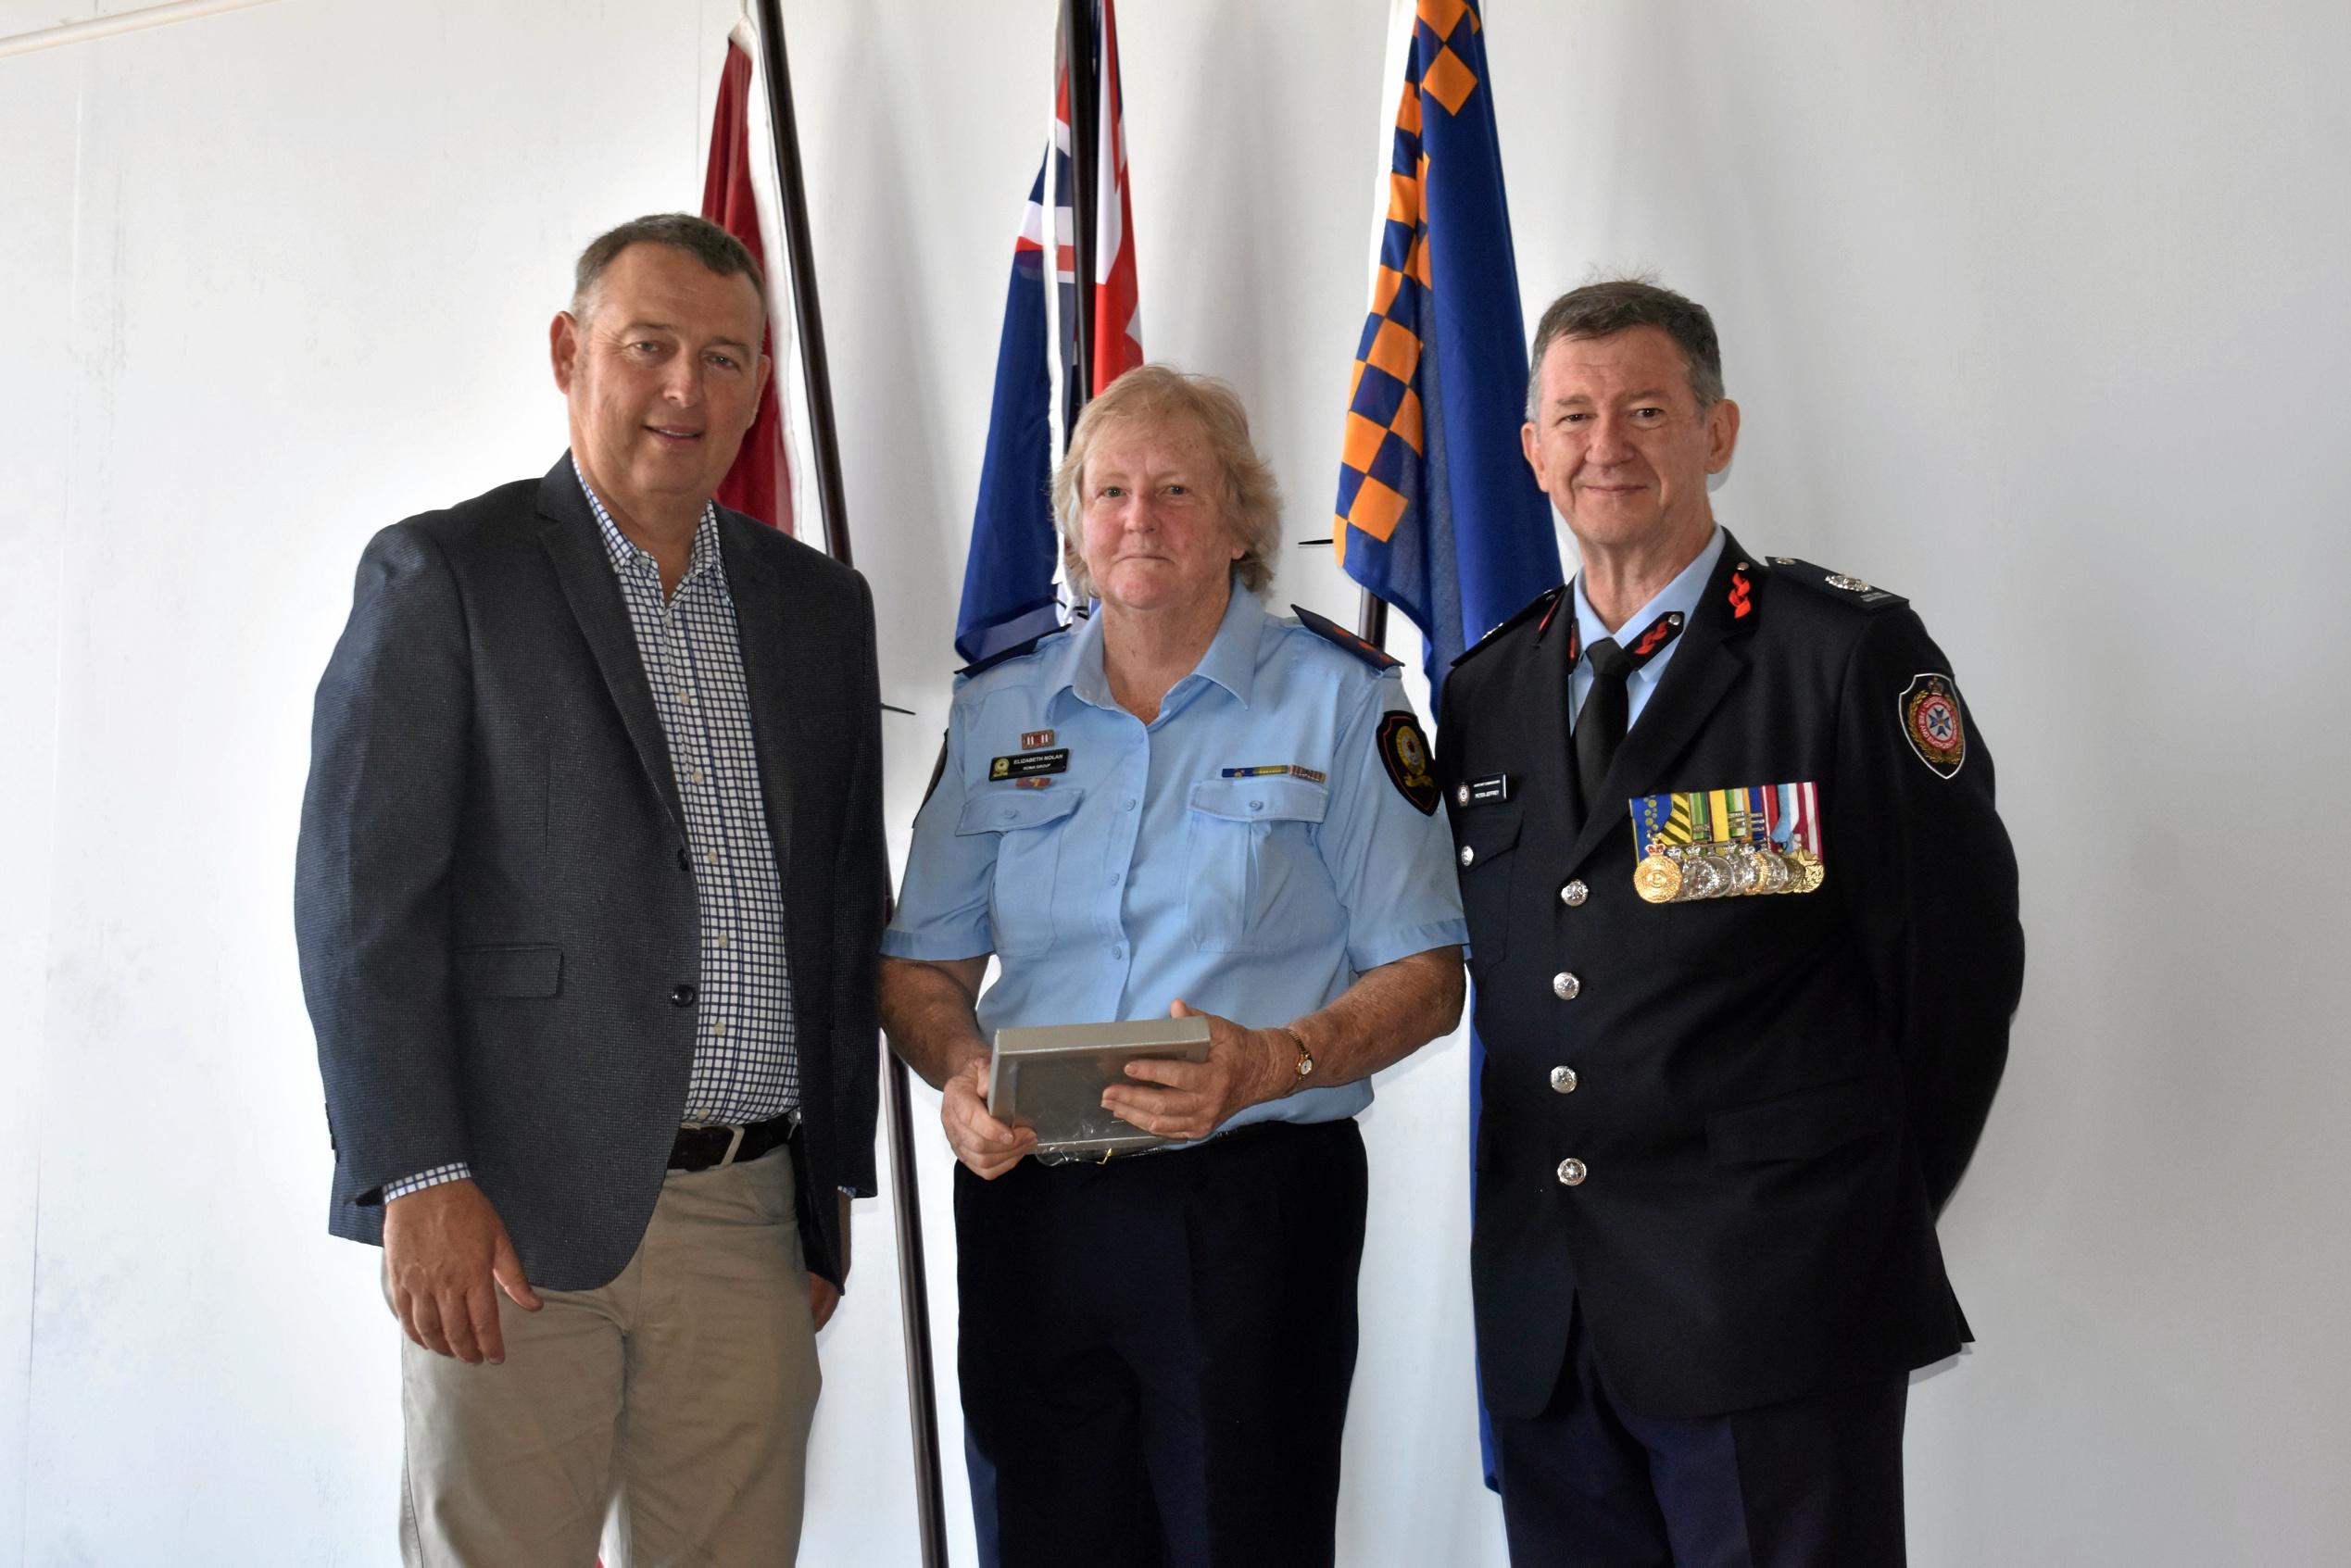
{"x":1182,"y":804}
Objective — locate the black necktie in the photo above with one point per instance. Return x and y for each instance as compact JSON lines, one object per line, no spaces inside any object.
{"x":1600,"y":723}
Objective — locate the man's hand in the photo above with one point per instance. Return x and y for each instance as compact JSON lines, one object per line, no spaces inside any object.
{"x":443,"y":1249}
{"x":990,"y":1147}
{"x":1191,"y":1100}
{"x":823,"y":1295}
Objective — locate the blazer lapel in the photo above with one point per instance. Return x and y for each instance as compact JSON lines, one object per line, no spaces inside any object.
{"x":1708,"y":663}
{"x":569,"y":531}
{"x":775,"y":653}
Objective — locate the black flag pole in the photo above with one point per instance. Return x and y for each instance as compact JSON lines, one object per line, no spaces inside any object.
{"x":1084,"y":153}
{"x":914,"y":1284}
{"x":1371,"y":619}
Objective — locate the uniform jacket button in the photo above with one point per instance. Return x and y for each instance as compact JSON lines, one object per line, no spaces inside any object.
{"x":1467,"y":854}
{"x":1563,"y":1080}
{"x":682,"y":995}
{"x":1572,"y":1173}
{"x":1574,"y":894}
{"x":1564,"y":986}
{"x":684,"y":862}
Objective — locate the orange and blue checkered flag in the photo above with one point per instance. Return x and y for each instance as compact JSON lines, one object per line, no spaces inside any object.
{"x":1437,"y":512}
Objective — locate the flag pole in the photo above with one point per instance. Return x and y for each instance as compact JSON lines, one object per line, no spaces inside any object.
{"x":1371,"y":619}
{"x":1085,"y":109}
{"x":913,"y":1286}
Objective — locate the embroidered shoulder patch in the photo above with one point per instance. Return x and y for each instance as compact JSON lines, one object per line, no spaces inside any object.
{"x":1932,"y":723}
{"x":1403,"y":751}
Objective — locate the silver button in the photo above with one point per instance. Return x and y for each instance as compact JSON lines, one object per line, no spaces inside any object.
{"x":1467,"y":854}
{"x":1574,"y":894}
{"x":1461,"y":795}
{"x":1564,"y":986}
{"x":1257,"y":805}
{"x":1563,"y":1080}
{"x":1572,"y":1173}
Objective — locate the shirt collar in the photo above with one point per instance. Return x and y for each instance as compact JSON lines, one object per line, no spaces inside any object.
{"x":625,"y":552}
{"x":1230,"y":661}
{"x":1682,"y":594}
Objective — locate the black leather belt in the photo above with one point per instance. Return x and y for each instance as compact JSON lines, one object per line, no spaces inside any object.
{"x":705,"y":1148}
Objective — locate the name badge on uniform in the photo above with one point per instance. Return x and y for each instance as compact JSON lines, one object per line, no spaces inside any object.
{"x":1728,"y":842}
{"x":1482,"y":792}
{"x":1029,"y":764}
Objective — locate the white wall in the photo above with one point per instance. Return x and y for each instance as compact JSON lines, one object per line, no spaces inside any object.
{"x":2035,"y":312}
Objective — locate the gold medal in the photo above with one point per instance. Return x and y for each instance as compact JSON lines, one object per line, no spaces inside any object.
{"x":1777,"y":876}
{"x":1809,"y":872}
{"x":1657,"y":879}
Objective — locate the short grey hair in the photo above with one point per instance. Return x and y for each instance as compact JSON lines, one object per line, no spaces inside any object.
{"x":1616,"y":305}
{"x":1150,"y":395}
{"x":698,"y":237}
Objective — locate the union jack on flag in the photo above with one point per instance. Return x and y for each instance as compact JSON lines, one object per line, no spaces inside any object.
{"x":1008,"y":592}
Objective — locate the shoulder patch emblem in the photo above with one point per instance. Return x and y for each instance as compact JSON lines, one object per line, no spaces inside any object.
{"x":1331,"y":632}
{"x":1403,"y":751}
{"x":1932,"y":723}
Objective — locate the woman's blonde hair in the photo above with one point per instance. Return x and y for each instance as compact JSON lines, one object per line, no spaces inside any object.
{"x":1149,"y":395}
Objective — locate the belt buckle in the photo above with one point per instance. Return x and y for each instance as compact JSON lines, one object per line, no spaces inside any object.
{"x":733,"y":1140}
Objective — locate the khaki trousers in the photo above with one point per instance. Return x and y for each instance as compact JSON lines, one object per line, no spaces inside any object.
{"x":664,"y":1416}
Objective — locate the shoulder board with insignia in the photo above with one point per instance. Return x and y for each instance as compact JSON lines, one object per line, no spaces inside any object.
{"x":1834,"y":585}
{"x":1002,"y":654}
{"x":1331,"y":632}
{"x":1539,"y":605}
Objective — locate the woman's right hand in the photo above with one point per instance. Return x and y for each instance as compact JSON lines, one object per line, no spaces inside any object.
{"x":990,"y":1147}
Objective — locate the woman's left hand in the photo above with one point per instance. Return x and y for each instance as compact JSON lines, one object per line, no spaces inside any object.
{"x":1191,"y":1099}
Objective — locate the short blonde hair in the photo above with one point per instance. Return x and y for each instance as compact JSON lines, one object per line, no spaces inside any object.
{"x":1150,"y":395}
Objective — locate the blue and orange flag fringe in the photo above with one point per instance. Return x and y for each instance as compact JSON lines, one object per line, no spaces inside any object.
{"x":1437,"y":512}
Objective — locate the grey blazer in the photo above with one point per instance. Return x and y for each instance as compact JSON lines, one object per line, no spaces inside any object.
{"x":493,"y":898}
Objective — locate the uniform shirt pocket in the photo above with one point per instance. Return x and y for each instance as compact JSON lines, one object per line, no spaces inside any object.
{"x":1029,"y":825}
{"x":1244,"y":838}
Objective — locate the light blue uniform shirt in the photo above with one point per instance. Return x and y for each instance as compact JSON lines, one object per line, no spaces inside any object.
{"x":1682,"y":594}
{"x":1144,"y":873}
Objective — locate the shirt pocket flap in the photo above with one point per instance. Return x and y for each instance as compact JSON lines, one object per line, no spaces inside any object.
{"x":1487,"y":832}
{"x":1007,"y":810}
{"x":507,"y":971}
{"x":1802,"y":1124}
{"x":1270,"y":798}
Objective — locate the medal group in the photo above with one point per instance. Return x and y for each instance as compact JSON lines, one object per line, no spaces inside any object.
{"x":1728,"y":842}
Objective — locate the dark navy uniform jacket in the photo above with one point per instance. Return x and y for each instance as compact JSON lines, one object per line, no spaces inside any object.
{"x":1770,"y":1096}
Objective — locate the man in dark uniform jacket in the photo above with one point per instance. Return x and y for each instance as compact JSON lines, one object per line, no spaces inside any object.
{"x":1744,"y":938}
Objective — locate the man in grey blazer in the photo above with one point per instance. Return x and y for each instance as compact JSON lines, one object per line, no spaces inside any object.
{"x":588,"y":898}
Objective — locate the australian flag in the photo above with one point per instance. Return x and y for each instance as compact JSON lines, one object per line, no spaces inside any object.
{"x":1009,"y":594}
{"x":1437,"y":512}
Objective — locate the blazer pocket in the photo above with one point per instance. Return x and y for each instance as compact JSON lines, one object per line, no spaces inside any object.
{"x":1801,"y":1125}
{"x":508,"y":971}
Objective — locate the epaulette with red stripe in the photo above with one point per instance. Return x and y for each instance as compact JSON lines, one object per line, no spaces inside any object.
{"x":1542,"y":604}
{"x":1332,"y":632}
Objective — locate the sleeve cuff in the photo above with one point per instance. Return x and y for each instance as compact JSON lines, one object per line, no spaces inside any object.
{"x":1387,"y":947}
{"x":935,"y":945}
{"x":460,"y":1171}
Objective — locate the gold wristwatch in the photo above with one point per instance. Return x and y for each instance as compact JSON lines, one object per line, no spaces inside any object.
{"x":1305,"y":1056}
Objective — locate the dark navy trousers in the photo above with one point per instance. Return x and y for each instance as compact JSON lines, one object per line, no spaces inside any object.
{"x":1814,"y":1482}
{"x":1155,"y":1352}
